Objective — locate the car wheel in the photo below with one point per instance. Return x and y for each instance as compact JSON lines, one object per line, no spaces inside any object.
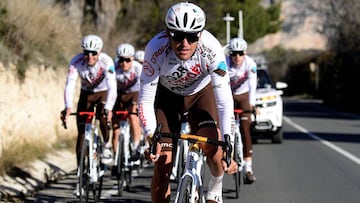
{"x":277,"y":137}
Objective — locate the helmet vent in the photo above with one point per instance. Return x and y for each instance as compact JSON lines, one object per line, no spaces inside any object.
{"x":185,"y":19}
{"x":177,"y":23}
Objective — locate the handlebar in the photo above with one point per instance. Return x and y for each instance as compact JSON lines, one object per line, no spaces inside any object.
{"x":226,"y":145}
{"x":90,"y":114}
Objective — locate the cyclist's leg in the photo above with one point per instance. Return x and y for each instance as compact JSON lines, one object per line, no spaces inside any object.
{"x":135,"y":129}
{"x":107,"y":156}
{"x":168,"y":115}
{"x":84,"y":104}
{"x":203,"y":118}
{"x":245,"y":130}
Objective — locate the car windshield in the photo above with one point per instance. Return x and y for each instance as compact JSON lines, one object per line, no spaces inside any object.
{"x":263,"y":79}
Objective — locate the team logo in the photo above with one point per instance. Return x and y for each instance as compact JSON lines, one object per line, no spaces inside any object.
{"x":148,"y":69}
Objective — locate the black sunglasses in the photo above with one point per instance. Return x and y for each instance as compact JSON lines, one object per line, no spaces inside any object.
{"x":87,"y":53}
{"x":180,"y":36}
{"x":234,"y":53}
{"x":122,"y":59}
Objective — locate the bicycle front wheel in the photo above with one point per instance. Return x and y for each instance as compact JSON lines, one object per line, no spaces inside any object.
{"x":120,"y":166}
{"x":238,"y":173}
{"x":84,"y":182}
{"x":184,"y":193}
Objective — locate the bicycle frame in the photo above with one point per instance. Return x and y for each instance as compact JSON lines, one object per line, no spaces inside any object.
{"x":181,"y":147}
{"x":124,"y":131}
{"x":92,"y":144}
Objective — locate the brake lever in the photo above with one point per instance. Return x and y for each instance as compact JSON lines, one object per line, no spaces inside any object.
{"x":63,"y":114}
{"x":227,"y":150}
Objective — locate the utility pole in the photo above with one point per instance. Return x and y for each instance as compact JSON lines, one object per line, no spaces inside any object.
{"x":241,"y":31}
{"x":228,"y":19}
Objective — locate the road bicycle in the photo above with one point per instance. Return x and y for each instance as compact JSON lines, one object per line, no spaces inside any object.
{"x":90,"y":171}
{"x":190,"y":187}
{"x":123,"y":164}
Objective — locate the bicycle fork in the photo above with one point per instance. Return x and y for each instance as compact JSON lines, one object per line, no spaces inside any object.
{"x":193,"y":169}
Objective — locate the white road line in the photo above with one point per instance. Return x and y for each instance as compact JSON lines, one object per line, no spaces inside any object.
{"x":327,"y":143}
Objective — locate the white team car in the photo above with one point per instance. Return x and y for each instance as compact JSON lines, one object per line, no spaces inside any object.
{"x":269,"y":104}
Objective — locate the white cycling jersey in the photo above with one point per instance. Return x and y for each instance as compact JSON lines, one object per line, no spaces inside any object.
{"x":128,"y":81}
{"x":184,"y":77}
{"x":99,"y":77}
{"x":243,"y":78}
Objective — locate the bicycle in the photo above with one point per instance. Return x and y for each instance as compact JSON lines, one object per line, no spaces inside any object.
{"x":90,"y":171}
{"x":190,"y":187}
{"x":122,"y":160}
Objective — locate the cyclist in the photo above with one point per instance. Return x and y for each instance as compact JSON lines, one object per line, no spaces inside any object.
{"x":139,"y":56}
{"x":243,"y":80}
{"x":185,"y":71}
{"x":128,"y":83}
{"x":98,"y":87}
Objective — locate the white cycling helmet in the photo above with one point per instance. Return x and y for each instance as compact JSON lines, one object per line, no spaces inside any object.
{"x":185,"y":17}
{"x":237,"y":44}
{"x":92,"y":43}
{"x":139,"y":55}
{"x":125,"y":50}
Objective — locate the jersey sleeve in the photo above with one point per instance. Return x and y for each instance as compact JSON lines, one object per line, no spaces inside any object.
{"x":252,"y":82}
{"x":221,"y":85}
{"x":148,"y":85}
{"x":224,"y":100}
{"x":70,"y":85}
{"x":111,"y":84}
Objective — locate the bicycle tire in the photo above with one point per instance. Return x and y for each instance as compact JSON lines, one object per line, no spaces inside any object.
{"x":84,"y":170}
{"x":181,"y":162}
{"x":128,"y":171}
{"x":120,"y":167}
{"x":184,"y":193}
{"x":100,"y":167}
{"x":238,"y":173}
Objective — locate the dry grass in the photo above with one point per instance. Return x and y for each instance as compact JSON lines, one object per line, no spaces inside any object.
{"x":44,"y":29}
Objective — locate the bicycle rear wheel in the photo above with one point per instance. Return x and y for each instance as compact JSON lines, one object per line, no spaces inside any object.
{"x":84,"y":181}
{"x":237,"y":174}
{"x":120,"y":166}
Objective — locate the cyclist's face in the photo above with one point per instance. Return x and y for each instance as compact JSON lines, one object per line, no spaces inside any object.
{"x":184,"y":44}
{"x":237,"y":57}
{"x":125,"y":63}
{"x":91,"y":57}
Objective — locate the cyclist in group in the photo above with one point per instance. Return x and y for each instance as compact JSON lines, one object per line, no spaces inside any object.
{"x":185,"y":71}
{"x":98,"y":87}
{"x":139,"y":56}
{"x":243,"y":80}
{"x":128,"y":73}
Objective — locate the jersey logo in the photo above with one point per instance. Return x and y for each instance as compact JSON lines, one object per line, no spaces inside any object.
{"x":148,"y":69}
{"x":221,"y":69}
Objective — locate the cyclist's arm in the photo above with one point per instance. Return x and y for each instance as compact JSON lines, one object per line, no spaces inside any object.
{"x":252,"y":82}
{"x":70,"y":87}
{"x":112,"y":87}
{"x":146,"y":104}
{"x":224,"y":100}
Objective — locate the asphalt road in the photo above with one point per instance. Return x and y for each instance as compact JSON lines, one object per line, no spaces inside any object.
{"x":319,"y":161}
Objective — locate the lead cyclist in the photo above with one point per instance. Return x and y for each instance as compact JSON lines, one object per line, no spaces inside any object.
{"x":185,"y":70}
